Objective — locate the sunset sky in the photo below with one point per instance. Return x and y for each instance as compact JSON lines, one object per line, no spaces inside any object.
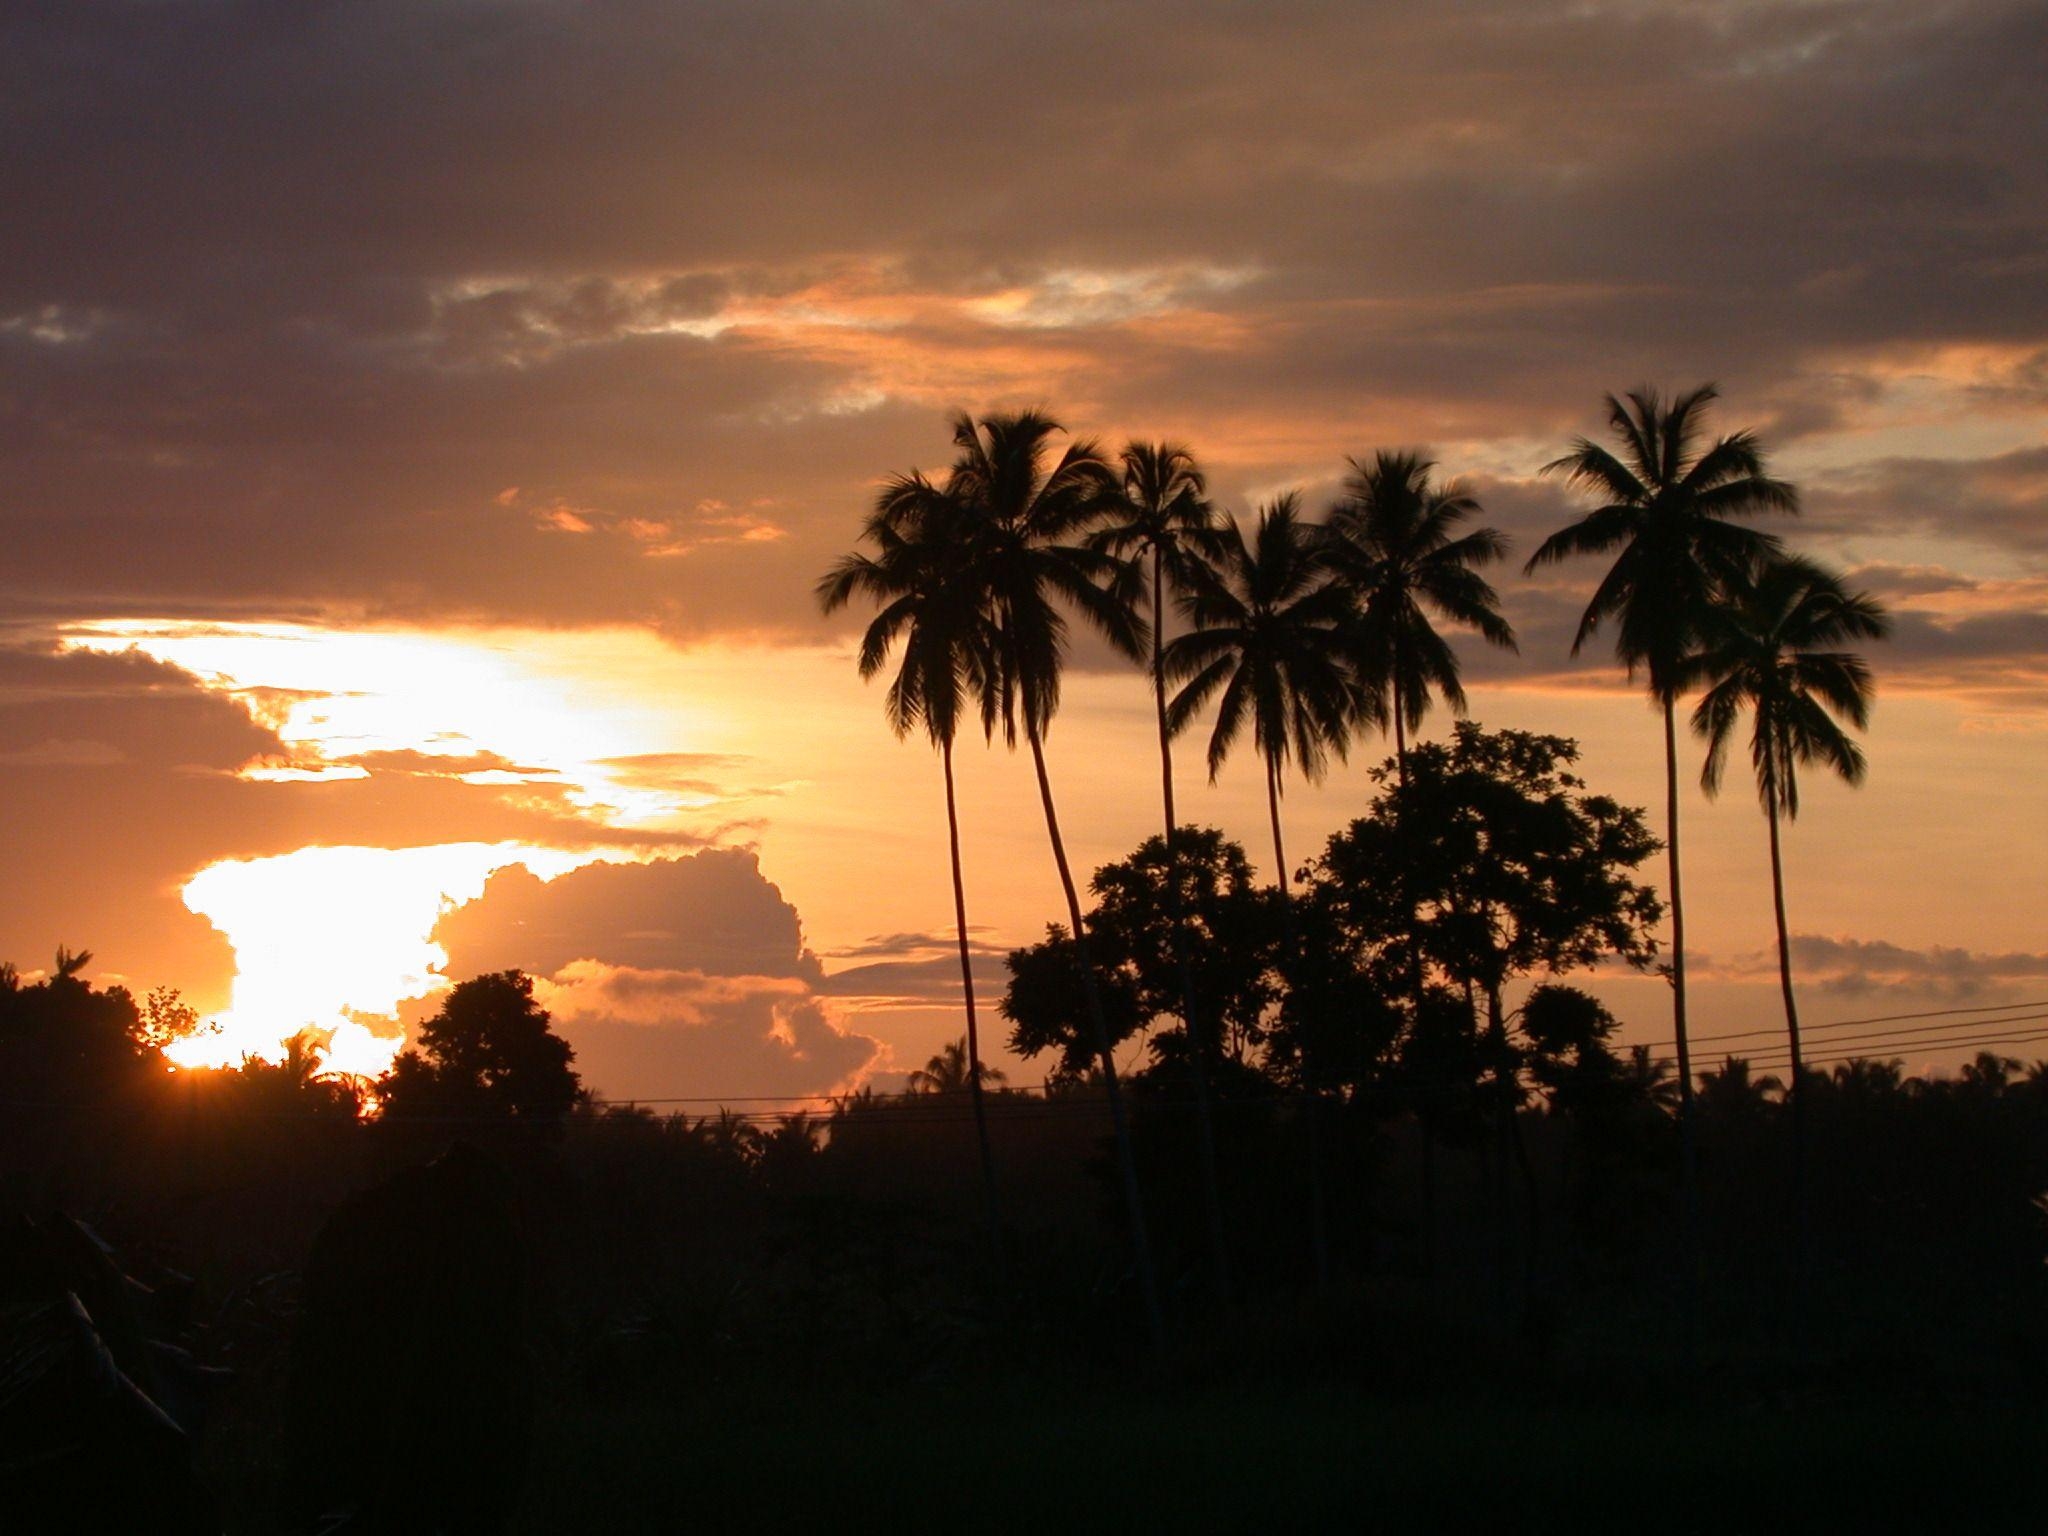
{"x":422,"y":424}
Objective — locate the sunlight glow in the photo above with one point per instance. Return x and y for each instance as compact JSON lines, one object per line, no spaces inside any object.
{"x":337,"y":939}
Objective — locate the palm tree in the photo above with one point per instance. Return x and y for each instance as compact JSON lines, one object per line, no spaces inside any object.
{"x":917,"y":575}
{"x":1163,"y":520}
{"x":1266,"y":623}
{"x":1667,"y":508}
{"x":952,"y":1070}
{"x":1389,"y":543}
{"x":1163,"y":523}
{"x":1773,"y":647}
{"x":1024,"y":515}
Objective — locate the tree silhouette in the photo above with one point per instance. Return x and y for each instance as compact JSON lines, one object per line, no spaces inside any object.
{"x":920,"y":578}
{"x":1163,"y":523}
{"x":1772,"y":647}
{"x":1389,"y":542}
{"x":1265,"y":632}
{"x":1026,"y":515}
{"x":1666,"y":510}
{"x":1133,"y":930}
{"x":953,"y":1069}
{"x":489,"y":1053}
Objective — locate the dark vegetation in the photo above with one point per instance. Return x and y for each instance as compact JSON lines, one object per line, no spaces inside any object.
{"x":1382,"y":1226}
{"x":1446,"y":1219}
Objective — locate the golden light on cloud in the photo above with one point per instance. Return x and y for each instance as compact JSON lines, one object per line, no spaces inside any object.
{"x":336,"y":940}
{"x":340,"y":938}
{"x":339,"y":695}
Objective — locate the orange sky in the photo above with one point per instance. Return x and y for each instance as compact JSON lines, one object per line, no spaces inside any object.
{"x":414,"y":470}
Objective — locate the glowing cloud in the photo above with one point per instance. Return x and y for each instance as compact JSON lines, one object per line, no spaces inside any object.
{"x":338,"y":939}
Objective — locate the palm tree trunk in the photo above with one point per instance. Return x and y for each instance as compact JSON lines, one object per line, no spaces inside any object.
{"x":1399,"y":696}
{"x":1134,"y":1204}
{"x":1198,"y":1066}
{"x":1273,"y":804}
{"x":1688,"y":1145}
{"x":1798,"y":1090}
{"x":974,"y":1092}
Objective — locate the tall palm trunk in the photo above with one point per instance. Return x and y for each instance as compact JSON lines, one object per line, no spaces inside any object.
{"x":1279,"y":853}
{"x":1198,"y":1039}
{"x":974,"y":1089}
{"x":1400,"y":712}
{"x":1799,"y":1213}
{"x":1688,"y":1145}
{"x":1134,"y":1204}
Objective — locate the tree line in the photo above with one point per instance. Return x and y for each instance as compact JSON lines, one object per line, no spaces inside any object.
{"x":1316,"y":631}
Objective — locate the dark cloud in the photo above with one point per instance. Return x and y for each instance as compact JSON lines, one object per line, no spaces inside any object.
{"x":1853,"y":966}
{"x":2000,"y":501}
{"x":305,"y":291}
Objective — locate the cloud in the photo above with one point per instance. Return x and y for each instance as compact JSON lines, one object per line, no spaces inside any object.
{"x":1853,"y":967}
{"x":666,"y":1033}
{"x":400,"y":259}
{"x":712,"y":912}
{"x":124,"y":777}
{"x":689,"y":974}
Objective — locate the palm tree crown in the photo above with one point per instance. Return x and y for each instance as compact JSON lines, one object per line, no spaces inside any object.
{"x":1667,"y":508}
{"x":916,"y":577}
{"x":1025,"y":515}
{"x":1775,"y":649}
{"x":1265,"y":629}
{"x":1389,"y":541}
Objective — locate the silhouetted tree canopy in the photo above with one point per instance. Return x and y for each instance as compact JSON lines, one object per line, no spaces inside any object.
{"x":489,"y":1052}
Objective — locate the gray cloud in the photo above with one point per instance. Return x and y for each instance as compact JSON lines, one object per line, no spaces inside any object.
{"x":311,"y":288}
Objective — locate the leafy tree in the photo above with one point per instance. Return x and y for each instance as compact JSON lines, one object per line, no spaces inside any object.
{"x":1050,"y":1009}
{"x":489,"y":1053}
{"x":64,"y":1044}
{"x":1390,"y":543}
{"x":929,"y":603}
{"x":1666,"y":512}
{"x":1264,"y":648}
{"x":1234,"y":928}
{"x":1492,"y":862}
{"x":1488,"y":863}
{"x":164,"y":1019}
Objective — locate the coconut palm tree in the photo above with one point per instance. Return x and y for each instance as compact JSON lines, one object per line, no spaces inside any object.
{"x":1667,"y":511}
{"x":928,"y":605}
{"x":1774,"y":648}
{"x":1025,"y":517}
{"x":1164,"y":524}
{"x":1266,"y":623}
{"x":1162,"y":519}
{"x":952,"y":1070}
{"x":1390,"y":543}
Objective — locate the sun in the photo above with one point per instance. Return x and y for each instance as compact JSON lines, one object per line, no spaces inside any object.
{"x":340,"y":939}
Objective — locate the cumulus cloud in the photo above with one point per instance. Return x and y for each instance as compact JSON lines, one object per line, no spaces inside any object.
{"x":125,"y":776}
{"x":681,"y":976}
